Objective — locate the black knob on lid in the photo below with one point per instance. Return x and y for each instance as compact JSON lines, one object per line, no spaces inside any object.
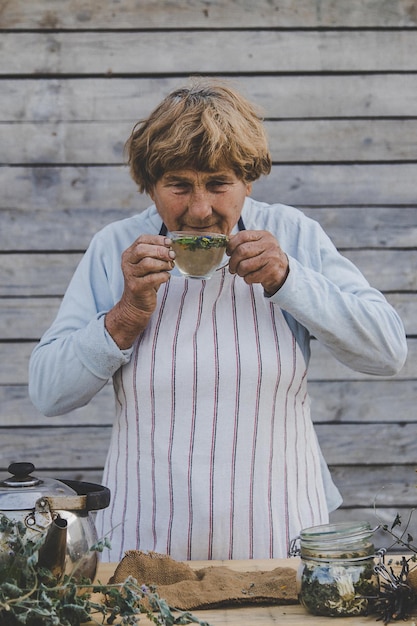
{"x":21,"y":476}
{"x":21,"y":470}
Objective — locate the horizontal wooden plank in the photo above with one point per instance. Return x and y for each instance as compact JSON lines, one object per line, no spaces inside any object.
{"x":328,"y":141}
{"x":372,"y":401}
{"x":363,"y":401}
{"x":207,"y":51}
{"x":61,"y":230}
{"x":384,"y":485}
{"x":377,"y":494}
{"x":48,"y":274}
{"x":95,"y":14}
{"x":37,"y":274}
{"x":318,"y":185}
{"x":362,"y":227}
{"x":300,"y":141}
{"x":58,"y":229}
{"x":57,"y":188}
{"x":406,"y":307}
{"x":391,"y":263}
{"x":368,"y":444}
{"x":129,"y":99}
{"x":14,"y":358}
{"x":109,"y":188}
{"x":44,"y":447}
{"x":23,"y":318}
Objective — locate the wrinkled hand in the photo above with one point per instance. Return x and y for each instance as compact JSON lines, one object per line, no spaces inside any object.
{"x":257,"y":257}
{"x":146,"y":265}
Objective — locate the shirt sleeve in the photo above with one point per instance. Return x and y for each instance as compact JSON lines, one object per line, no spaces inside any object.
{"x":327,"y":295}
{"x":77,"y":356}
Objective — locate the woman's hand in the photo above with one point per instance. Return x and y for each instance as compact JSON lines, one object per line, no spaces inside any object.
{"x":146,"y":265}
{"x":257,"y":257}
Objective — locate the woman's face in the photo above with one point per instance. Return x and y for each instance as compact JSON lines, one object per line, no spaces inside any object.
{"x":193,"y":200}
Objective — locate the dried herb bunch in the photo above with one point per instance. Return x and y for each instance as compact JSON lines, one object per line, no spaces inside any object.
{"x":31,"y":595}
{"x":397,"y":595}
{"x":396,"y":598}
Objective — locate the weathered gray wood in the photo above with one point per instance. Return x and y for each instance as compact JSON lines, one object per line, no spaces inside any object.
{"x":14,"y":358}
{"x":364,"y":401}
{"x":37,"y":274}
{"x":347,"y":185}
{"x":342,"y":140}
{"x":381,"y":502}
{"x":348,"y":227}
{"x":23,"y":318}
{"x":406,"y":307}
{"x":330,"y":141}
{"x":362,"y":227}
{"x":386,"y":277}
{"x":382,"y":487}
{"x":119,"y":100}
{"x":382,"y":444}
{"x":58,"y":229}
{"x":108,"y":188}
{"x":101,"y":188}
{"x":48,"y":274}
{"x":43,"y":446}
{"x":371,"y":401}
{"x":91,"y":14}
{"x":170,"y":52}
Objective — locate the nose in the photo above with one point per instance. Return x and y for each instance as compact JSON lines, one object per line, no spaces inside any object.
{"x":199,"y":205}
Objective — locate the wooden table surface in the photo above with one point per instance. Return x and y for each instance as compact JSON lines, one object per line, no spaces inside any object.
{"x":293,"y":615}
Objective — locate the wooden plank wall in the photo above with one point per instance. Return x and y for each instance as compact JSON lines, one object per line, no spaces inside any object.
{"x":338,"y":84}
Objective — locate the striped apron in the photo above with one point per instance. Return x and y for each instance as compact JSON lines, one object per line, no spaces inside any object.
{"x":213,"y":452}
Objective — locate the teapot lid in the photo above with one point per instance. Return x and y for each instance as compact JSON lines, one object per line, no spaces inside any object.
{"x":21,"y":490}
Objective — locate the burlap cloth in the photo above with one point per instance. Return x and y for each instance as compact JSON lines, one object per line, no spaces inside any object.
{"x":210,"y":587}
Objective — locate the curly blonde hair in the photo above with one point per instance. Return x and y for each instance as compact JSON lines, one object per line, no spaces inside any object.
{"x":206,"y":127}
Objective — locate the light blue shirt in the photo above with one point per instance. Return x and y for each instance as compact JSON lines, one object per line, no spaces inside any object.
{"x":324,"y":296}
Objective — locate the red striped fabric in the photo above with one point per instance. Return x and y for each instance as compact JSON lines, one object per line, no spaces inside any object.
{"x":213,"y":453}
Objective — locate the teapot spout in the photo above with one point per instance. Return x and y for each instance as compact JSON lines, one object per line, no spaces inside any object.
{"x":52,"y":554}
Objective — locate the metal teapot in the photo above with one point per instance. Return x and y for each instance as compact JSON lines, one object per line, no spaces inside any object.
{"x":61,"y":510}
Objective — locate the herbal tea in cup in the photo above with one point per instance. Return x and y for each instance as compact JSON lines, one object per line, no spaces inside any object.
{"x":198,"y":254}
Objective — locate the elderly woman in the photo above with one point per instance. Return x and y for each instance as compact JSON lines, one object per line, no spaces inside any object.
{"x":213,"y":453}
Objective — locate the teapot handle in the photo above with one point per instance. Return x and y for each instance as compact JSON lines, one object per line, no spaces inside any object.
{"x":96,"y":496}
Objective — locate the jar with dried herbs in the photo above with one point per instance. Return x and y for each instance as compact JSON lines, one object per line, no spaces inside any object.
{"x":336,"y":575}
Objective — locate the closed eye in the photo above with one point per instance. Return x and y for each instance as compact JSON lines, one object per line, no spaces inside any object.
{"x":180,"y":187}
{"x":218,"y":186}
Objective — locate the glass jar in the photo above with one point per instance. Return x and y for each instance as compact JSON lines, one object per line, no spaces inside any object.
{"x":336,"y":574}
